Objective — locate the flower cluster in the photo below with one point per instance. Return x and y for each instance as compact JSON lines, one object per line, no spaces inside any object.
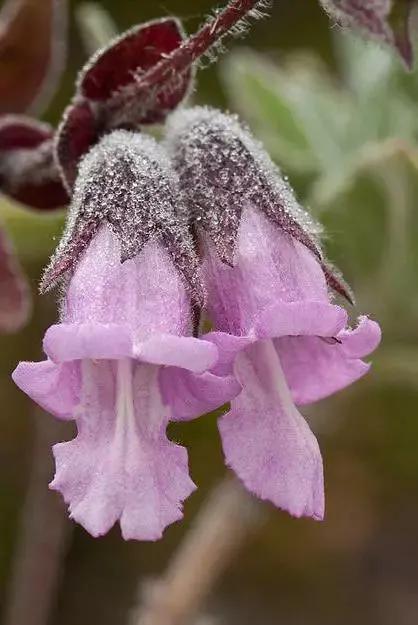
{"x":160,"y":237}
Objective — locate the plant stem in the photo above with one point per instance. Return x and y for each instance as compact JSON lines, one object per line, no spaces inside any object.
{"x":221,"y":528}
{"x":182,"y":58}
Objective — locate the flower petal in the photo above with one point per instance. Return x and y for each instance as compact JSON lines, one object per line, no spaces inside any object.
{"x":56,"y":388}
{"x":228,"y":347}
{"x":74,"y":341}
{"x":267,"y":442}
{"x":316,"y":369}
{"x":269,"y":268}
{"x":121,"y":465}
{"x":178,"y":351}
{"x":190,"y":395}
{"x":363,"y":340}
{"x":304,"y":318}
{"x":145,"y":293}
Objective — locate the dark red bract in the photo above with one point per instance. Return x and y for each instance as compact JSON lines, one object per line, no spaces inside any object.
{"x":78,"y":132}
{"x":27,"y":170}
{"x":22,"y":132}
{"x":32,"y":53}
{"x":106,"y":96}
{"x":46,"y":197}
{"x":133,"y":53}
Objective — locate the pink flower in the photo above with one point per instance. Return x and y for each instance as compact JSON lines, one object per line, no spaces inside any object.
{"x":268,"y":298}
{"x":124,"y":349}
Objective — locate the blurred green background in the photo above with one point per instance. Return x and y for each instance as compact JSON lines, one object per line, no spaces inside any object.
{"x":340,"y":117}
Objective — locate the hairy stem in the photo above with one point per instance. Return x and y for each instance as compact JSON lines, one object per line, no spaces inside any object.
{"x":221,"y":528}
{"x":183,"y":57}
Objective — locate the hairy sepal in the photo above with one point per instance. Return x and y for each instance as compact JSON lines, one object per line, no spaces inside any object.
{"x":127,"y":181}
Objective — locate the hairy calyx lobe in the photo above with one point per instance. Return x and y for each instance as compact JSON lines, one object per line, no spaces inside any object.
{"x":228,"y":171}
{"x":126,"y":181}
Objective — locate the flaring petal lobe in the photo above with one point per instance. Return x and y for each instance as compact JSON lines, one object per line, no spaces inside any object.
{"x":190,"y":395}
{"x":267,"y":442}
{"x":315,"y":368}
{"x":56,"y":388}
{"x":121,"y":466}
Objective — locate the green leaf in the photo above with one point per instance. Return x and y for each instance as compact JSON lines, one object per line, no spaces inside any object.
{"x":253,"y":87}
{"x":96,"y":26}
{"x":35,"y":233}
{"x":381,"y":107}
{"x":372,"y":221}
{"x":366,"y":67}
{"x":296,"y":112}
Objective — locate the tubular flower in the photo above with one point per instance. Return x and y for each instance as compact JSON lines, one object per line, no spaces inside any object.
{"x":123,"y":349}
{"x":268,"y":297}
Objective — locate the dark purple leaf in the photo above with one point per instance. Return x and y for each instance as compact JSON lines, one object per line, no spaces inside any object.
{"x":20,"y":132}
{"x":78,"y":132}
{"x":32,"y":53}
{"x":28,"y":172}
{"x":132,"y":53}
{"x":106,"y":98}
{"x":49,"y":195}
{"x":130,"y":105}
{"x":111,"y":79}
